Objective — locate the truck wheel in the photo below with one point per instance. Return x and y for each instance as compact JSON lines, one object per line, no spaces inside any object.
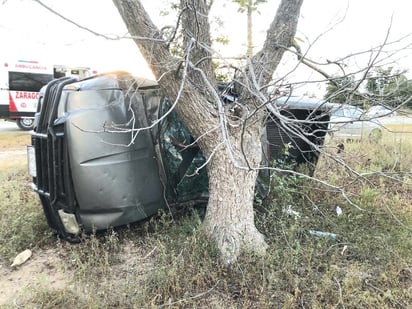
{"x":25,"y":124}
{"x":375,"y":135}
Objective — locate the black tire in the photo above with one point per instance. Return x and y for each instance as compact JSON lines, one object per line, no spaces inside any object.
{"x":25,"y":124}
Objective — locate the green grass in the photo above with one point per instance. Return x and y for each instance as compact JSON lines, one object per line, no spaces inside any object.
{"x":168,"y":261}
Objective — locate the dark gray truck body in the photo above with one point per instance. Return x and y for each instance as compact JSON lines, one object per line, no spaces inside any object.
{"x":94,"y":169}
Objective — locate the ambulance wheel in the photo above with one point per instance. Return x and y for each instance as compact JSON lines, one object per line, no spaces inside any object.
{"x":25,"y":124}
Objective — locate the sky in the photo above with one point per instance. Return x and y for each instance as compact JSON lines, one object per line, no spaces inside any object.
{"x":327,"y":31}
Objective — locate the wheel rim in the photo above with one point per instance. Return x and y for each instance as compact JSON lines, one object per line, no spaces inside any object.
{"x":25,"y":123}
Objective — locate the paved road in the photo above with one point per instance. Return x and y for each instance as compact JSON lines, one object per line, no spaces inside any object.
{"x":9,"y":126}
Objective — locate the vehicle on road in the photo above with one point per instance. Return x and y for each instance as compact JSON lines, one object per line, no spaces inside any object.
{"x":20,"y":83}
{"x":351,"y":123}
{"x":379,"y":111}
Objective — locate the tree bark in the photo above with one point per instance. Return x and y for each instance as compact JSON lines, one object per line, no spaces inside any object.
{"x":230,"y":139}
{"x":230,"y":214}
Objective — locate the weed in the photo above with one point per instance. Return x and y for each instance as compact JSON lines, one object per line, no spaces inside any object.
{"x":65,"y":298}
{"x":168,"y":261}
{"x":22,"y":223}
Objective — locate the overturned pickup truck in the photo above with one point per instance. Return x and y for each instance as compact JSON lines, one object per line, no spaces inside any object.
{"x":94,"y":169}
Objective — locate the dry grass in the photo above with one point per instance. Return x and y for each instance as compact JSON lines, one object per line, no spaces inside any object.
{"x":22,"y":220}
{"x":399,"y":134}
{"x":14,"y":140}
{"x":13,"y":149}
{"x":167,"y":262}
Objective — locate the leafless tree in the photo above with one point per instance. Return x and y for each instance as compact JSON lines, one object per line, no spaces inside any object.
{"x":234,"y":151}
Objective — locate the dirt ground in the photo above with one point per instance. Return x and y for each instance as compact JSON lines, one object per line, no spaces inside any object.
{"x":43,"y":271}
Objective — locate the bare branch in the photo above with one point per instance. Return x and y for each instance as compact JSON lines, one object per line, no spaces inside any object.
{"x":111,"y":37}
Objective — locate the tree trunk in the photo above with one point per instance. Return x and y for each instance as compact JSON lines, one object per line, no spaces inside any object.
{"x":230,"y":139}
{"x":230,"y":214}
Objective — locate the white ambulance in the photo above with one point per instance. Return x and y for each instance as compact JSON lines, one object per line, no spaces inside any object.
{"x":20,"y":83}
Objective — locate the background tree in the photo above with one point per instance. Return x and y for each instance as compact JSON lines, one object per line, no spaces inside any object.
{"x":340,"y":89}
{"x":404,"y":94}
{"x":249,"y":6}
{"x":388,"y":87}
{"x":229,"y":136}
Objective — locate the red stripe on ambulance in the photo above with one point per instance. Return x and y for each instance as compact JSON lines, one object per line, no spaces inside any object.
{"x":12,"y":105}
